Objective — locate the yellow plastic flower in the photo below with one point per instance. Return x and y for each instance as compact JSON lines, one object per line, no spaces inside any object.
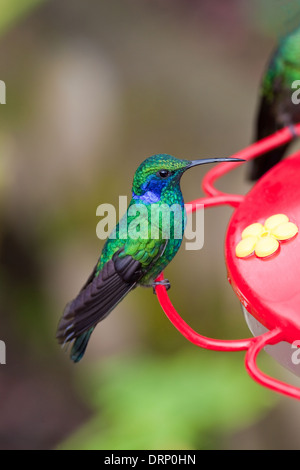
{"x":263,"y":239}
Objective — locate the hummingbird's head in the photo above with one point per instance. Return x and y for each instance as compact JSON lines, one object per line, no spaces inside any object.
{"x":163,"y":172}
{"x":155,"y":174}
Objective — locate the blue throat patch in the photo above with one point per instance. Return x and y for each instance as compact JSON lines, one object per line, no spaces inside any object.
{"x":153,"y":190}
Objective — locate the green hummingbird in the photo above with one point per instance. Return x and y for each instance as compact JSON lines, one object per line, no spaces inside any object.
{"x":277,"y":109}
{"x":131,"y":255}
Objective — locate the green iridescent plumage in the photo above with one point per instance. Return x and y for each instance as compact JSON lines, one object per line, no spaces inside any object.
{"x":137,"y":251}
{"x":144,"y":249}
{"x":276,"y":108}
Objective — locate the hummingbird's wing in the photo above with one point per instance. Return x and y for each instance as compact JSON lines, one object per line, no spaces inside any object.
{"x":267,"y":123}
{"x":99,"y":296}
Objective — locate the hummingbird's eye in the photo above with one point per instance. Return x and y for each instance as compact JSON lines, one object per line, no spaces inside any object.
{"x":163,"y":173}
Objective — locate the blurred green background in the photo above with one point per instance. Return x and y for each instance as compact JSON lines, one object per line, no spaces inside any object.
{"x":93,"y":88}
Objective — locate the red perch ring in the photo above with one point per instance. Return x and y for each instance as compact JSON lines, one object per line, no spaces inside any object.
{"x":264,"y":271}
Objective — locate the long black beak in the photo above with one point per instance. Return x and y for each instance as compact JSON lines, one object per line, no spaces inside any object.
{"x":212,"y":160}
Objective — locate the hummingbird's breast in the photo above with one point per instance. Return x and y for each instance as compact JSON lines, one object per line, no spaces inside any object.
{"x":155,"y":269}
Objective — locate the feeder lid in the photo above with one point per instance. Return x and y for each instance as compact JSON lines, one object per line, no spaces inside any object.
{"x":262,"y":249}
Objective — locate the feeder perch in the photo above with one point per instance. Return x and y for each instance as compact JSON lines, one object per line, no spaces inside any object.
{"x":262,"y":253}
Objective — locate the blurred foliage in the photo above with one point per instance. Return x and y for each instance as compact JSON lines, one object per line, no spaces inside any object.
{"x":93,"y":88}
{"x":286,"y":15}
{"x":12,"y":10}
{"x":184,"y":401}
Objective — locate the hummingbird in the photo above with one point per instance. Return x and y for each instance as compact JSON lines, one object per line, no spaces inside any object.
{"x":130,"y":258}
{"x":276,"y":108}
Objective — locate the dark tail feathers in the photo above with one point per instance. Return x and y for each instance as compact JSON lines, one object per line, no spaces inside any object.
{"x":80,"y":344}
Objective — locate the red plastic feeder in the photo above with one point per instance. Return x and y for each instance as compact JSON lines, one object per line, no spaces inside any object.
{"x":262,"y":252}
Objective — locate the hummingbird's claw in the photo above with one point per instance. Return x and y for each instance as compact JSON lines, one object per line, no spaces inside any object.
{"x":164,"y":282}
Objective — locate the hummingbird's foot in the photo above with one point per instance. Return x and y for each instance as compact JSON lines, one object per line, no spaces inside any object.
{"x":164,"y":282}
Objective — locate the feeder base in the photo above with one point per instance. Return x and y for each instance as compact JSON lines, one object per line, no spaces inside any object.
{"x":284,"y":353}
